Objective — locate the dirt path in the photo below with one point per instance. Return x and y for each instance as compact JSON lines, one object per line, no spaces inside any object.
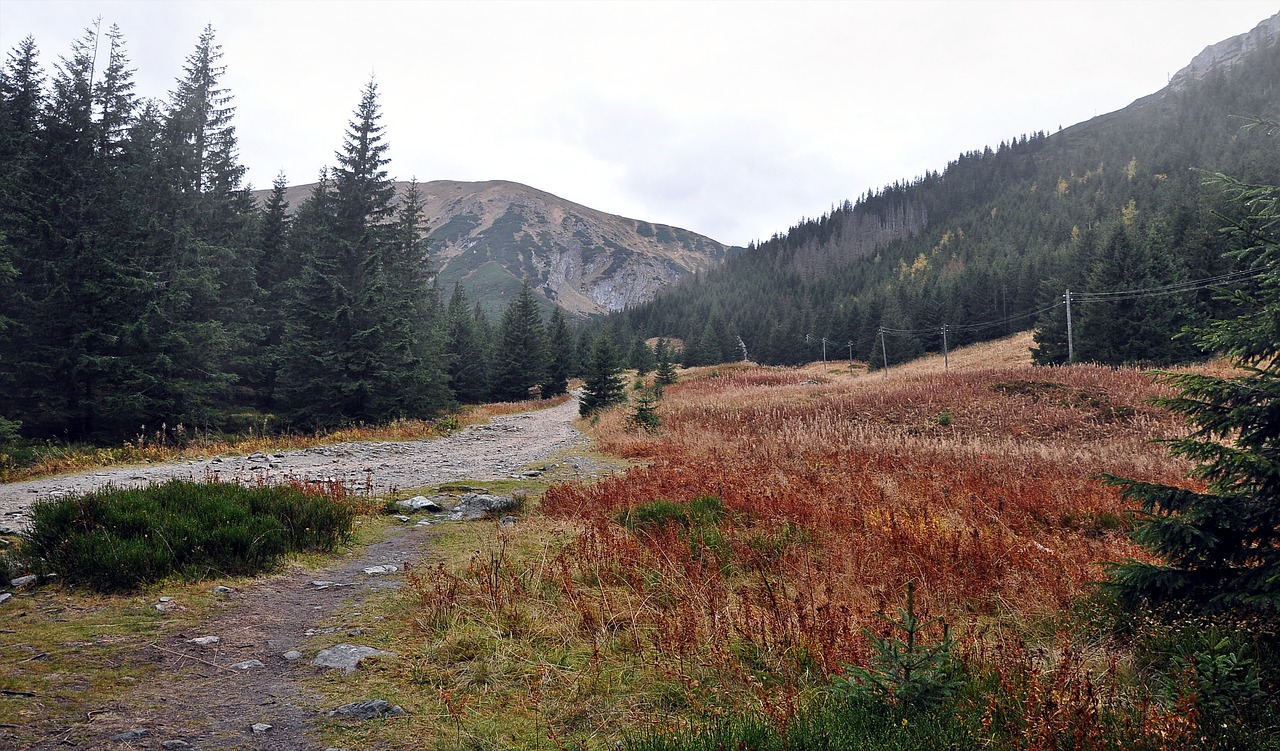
{"x":480,"y":452}
{"x":197,"y":700}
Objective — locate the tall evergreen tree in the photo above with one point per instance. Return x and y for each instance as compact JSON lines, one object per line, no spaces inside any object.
{"x":520,"y":355}
{"x":562,"y":349}
{"x":467,"y":351}
{"x":604,"y":385}
{"x":1221,"y":546}
{"x":366,"y":340}
{"x":666,"y":369}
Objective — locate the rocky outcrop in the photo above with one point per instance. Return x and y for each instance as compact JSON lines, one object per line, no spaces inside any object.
{"x":1227,"y":53}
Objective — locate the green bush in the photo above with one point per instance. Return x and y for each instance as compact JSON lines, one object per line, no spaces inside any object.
{"x":117,"y":539}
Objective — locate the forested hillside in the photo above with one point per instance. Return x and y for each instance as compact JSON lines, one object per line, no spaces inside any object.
{"x":144,"y":292}
{"x":992,"y":243}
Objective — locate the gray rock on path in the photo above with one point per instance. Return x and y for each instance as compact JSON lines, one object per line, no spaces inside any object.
{"x":474,"y":506}
{"x":346,"y":657}
{"x":131,"y":735}
{"x":421,"y":503}
{"x":247,"y":665}
{"x":369,"y":709}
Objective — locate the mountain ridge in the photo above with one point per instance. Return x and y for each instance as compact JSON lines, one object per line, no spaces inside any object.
{"x":491,"y":235}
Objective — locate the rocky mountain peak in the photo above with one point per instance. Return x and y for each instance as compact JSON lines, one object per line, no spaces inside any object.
{"x":1227,"y":53}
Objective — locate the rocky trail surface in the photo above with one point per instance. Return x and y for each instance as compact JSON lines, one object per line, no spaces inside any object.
{"x":490,"y":451}
{"x":233,"y":681}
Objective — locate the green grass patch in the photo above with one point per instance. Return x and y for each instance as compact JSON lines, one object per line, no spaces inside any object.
{"x":117,"y":539}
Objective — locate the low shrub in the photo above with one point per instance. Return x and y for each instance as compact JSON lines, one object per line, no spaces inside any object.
{"x":117,"y":539}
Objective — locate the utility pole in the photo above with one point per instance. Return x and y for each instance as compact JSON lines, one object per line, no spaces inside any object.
{"x":946,"y":360}
{"x":884,"y":353}
{"x":1071,"y":345}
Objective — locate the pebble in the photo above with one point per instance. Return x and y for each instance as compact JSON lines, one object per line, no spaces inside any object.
{"x":386,"y":568}
{"x":292,"y":655}
{"x":174,"y":744}
{"x":23,"y":581}
{"x":247,"y":664}
{"x":204,"y":641}
{"x":260,"y":727}
{"x":131,"y":735}
{"x":220,"y":590}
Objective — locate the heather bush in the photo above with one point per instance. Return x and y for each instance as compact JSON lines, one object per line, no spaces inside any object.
{"x":116,"y":539}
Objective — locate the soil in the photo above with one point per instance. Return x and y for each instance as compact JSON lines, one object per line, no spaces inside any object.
{"x":195,"y":697}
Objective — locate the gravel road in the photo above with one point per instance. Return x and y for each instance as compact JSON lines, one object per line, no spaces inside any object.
{"x":491,"y":451}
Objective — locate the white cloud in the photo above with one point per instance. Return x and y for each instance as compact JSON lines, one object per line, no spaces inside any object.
{"x":733,"y":119}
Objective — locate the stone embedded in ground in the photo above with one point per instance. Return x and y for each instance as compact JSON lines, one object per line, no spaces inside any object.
{"x":260,"y":727}
{"x":420,"y":503}
{"x":247,"y":665}
{"x":369,"y":709}
{"x":174,"y":744}
{"x":473,"y":506}
{"x":385,"y":568}
{"x":322,"y":584}
{"x":5,"y":597}
{"x":292,"y":655}
{"x":131,"y":735}
{"x":220,"y":590}
{"x":204,"y":641}
{"x":346,"y":657}
{"x":23,"y":581}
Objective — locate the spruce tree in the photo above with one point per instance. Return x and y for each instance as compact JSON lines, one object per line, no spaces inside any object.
{"x":467,"y":351}
{"x":1220,"y":548}
{"x":562,"y":349}
{"x":520,"y":356}
{"x":666,"y":367}
{"x":604,"y":385}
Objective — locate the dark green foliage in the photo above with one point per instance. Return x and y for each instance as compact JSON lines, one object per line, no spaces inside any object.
{"x":642,"y":358}
{"x":1221,"y":547}
{"x":645,"y":415}
{"x":365,"y":338}
{"x":467,"y":350}
{"x":561,"y":352}
{"x":604,"y":384}
{"x":666,"y":368}
{"x":520,"y":354}
{"x":906,"y":672}
{"x":118,"y":539}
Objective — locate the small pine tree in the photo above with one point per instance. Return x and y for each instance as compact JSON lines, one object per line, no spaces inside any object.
{"x":666,"y":368}
{"x":604,"y":385}
{"x":1221,"y":547}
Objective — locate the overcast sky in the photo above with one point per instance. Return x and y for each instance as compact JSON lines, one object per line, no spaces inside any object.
{"x":732,"y":119}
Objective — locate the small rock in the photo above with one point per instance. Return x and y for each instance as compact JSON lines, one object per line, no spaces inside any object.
{"x":322,"y":584}
{"x":386,"y":568}
{"x":402,"y":519}
{"x":355,"y":632}
{"x":220,"y":590}
{"x":292,"y":655}
{"x":166,"y":599}
{"x":346,"y":657}
{"x":260,"y":727}
{"x":23,"y":581}
{"x":247,"y":664}
{"x":420,"y":503}
{"x":131,"y":735}
{"x":174,"y":744}
{"x":508,"y":521}
{"x":368,"y":710}
{"x":5,"y":597}
{"x":204,"y":641}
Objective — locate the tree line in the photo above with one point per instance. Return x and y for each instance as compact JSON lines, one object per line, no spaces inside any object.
{"x":143,"y":289}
